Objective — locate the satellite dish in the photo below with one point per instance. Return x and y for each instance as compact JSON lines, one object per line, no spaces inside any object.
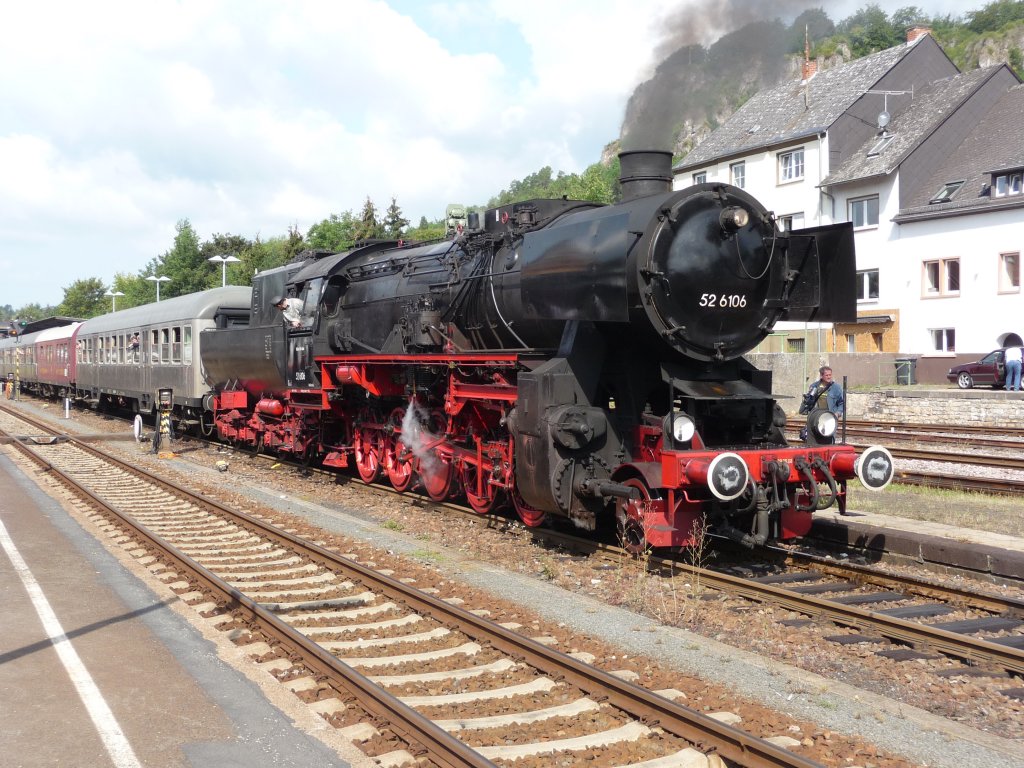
{"x":883,"y":119}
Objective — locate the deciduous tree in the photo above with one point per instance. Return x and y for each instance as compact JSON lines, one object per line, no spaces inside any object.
{"x":84,"y":299}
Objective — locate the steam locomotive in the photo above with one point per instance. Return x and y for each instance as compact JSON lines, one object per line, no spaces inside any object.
{"x":571,"y":359}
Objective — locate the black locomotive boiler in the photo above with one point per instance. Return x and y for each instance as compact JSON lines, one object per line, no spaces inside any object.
{"x":572,"y":359}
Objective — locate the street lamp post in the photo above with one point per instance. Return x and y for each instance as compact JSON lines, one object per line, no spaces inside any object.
{"x":113,"y":298}
{"x":158,"y":280}
{"x":224,"y":261}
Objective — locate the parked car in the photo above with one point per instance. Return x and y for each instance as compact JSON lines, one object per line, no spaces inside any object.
{"x":989,"y":370}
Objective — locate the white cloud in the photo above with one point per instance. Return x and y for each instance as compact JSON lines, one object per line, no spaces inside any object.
{"x":249,"y":117}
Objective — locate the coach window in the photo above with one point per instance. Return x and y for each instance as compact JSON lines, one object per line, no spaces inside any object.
{"x":165,"y":345}
{"x":176,"y":345}
{"x":186,"y":349}
{"x":154,"y":346}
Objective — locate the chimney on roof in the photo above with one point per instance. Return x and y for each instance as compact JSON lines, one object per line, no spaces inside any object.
{"x":915,"y":33}
{"x":809,"y":67}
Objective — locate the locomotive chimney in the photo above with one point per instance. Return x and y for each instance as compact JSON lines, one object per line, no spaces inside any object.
{"x":644,"y":173}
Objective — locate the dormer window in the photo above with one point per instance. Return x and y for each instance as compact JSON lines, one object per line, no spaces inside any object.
{"x":882,"y":143}
{"x":1004,"y":184}
{"x":945,"y":194}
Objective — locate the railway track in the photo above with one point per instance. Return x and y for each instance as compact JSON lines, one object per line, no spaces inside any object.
{"x":433,"y":679}
{"x":950,"y":449}
{"x":908,"y":618}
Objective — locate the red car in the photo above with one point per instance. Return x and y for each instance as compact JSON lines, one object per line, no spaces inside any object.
{"x":989,"y":370}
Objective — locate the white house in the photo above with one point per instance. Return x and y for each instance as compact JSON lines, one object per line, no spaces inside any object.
{"x":925,"y":161}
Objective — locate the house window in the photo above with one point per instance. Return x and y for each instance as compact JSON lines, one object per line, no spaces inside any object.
{"x":949,"y":189}
{"x":941,"y":277}
{"x":944,"y":339}
{"x":790,"y":222}
{"x":851,"y":343}
{"x":794,"y":345}
{"x":867,"y":285}
{"x":1007,"y":184}
{"x":1009,"y":272}
{"x":864,"y":212}
{"x":791,"y":165}
{"x":700,"y":178}
{"x":738,"y":174}
{"x":881,"y":144}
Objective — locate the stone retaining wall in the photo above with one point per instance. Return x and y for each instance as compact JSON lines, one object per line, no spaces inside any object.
{"x":954,"y":407}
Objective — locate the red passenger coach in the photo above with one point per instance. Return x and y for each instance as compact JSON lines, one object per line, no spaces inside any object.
{"x":55,"y":360}
{"x":42,"y":361}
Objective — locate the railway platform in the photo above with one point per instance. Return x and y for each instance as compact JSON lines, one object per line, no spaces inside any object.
{"x":96,"y":670}
{"x":923,"y":541}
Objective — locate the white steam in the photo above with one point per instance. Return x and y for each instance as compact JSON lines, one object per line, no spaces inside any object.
{"x":419,"y":439}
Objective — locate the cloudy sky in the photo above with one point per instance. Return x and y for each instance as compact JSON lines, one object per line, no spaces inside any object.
{"x":246,"y":117}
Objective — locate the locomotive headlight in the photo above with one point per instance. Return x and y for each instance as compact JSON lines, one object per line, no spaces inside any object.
{"x":733,"y":218}
{"x":680,"y":426}
{"x":825,"y":423}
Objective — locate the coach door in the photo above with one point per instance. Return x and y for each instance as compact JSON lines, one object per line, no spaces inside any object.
{"x":150,"y":357}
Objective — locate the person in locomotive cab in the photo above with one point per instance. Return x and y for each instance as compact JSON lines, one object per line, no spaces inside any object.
{"x":291,"y":310}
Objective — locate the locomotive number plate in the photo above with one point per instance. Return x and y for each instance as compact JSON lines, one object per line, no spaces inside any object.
{"x":723,"y":300}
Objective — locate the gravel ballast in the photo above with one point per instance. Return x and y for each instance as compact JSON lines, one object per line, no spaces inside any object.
{"x":518,"y":571}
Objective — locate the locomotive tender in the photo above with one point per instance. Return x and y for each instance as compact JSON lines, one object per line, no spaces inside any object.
{"x":573,"y":359}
